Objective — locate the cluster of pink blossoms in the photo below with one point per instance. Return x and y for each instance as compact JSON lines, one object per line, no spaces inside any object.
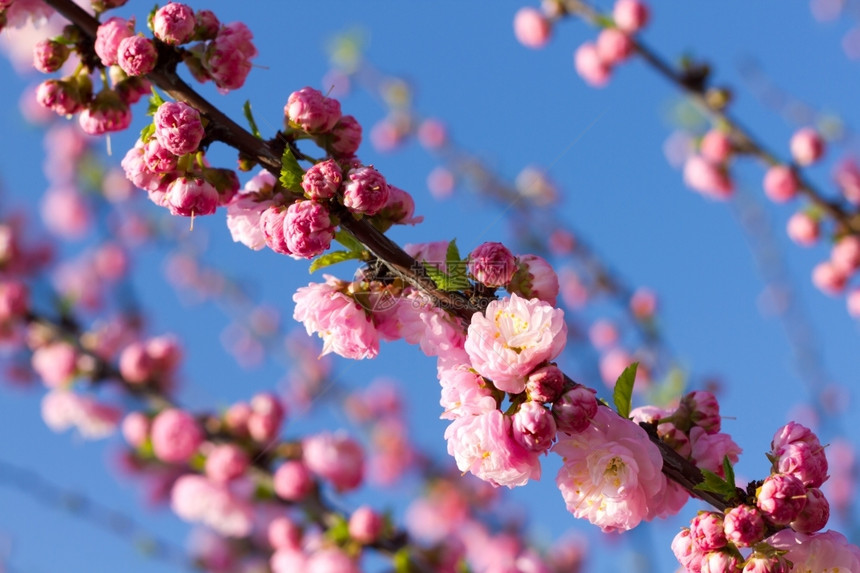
{"x":789,"y":498}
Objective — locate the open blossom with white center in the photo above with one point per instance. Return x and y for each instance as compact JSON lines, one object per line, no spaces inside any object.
{"x":611,"y":474}
{"x":512,"y":338}
{"x":827,"y":552}
{"x":484,"y":445}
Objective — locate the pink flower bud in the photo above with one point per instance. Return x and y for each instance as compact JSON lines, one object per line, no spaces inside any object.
{"x":545,"y":384}
{"x":284,"y":533}
{"x":308,"y":229}
{"x":815,"y":513}
{"x":492,"y":264}
{"x":829,"y":279}
{"x":781,"y":498}
{"x":744,"y":525}
{"x":686,"y":551}
{"x":365,"y":191}
{"x":322,"y":181}
{"x":643,"y":303}
{"x":575,"y":409}
{"x":780,"y":183}
{"x":225,"y":463}
{"x":60,"y":96}
{"x":847,"y":176}
{"x":708,"y":178}
{"x":106,"y":113}
{"x":803,"y":229}
{"x":227,"y":59}
{"x":174,"y":23}
{"x":135,"y":429}
{"x":191,"y":196}
{"x":806,"y":461}
{"x":852,"y":301}
{"x":531,"y":28}
{"x":716,"y":146}
{"x":630,"y":15}
{"x":432,"y":134}
{"x":346,"y":136}
{"x":706,"y":531}
{"x":724,"y":561}
{"x":703,"y":410}
{"x":534,"y":427}
{"x":175,"y":435}
{"x":792,"y":433}
{"x":534,"y":278}
{"x":272,"y":224}
{"x":336,"y":458}
{"x":158,"y":158}
{"x":400,"y":207}
{"x":365,"y":525}
{"x":761,"y":563}
{"x":590,"y":66}
{"x":331,"y":561}
{"x":137,"y":56}
{"x":206,"y":25}
{"x":293,"y":481}
{"x":613,"y":46}
{"x":135,"y":364}
{"x":49,"y":56}
{"x":108,"y":37}
{"x":312,"y":111}
{"x":236,"y":419}
{"x":178,"y":127}
{"x":807,"y":146}
{"x":132,"y":89}
{"x":267,"y":415}
{"x":56,"y":363}
{"x":845,"y":255}
{"x":14,"y":300}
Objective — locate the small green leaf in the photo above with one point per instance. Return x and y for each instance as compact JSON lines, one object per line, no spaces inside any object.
{"x":715,"y":484}
{"x":623,"y":393}
{"x":349,"y":241}
{"x":333,"y":258}
{"x":250,"y":117}
{"x":401,"y":562}
{"x":452,"y":255}
{"x":440,"y":278}
{"x":339,"y":531}
{"x":729,"y":471}
{"x":147,"y":132}
{"x":291,"y":171}
{"x":155,"y":102}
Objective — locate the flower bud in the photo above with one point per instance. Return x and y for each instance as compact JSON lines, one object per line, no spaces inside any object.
{"x":781,"y":498}
{"x":108,"y":37}
{"x":815,"y":513}
{"x":137,"y":55}
{"x":293,"y":481}
{"x":174,"y":23}
{"x":630,"y":15}
{"x":178,"y":127}
{"x":706,"y":530}
{"x":191,"y":196}
{"x":365,"y":525}
{"x":534,"y":427}
{"x":803,"y":229}
{"x":175,"y":435}
{"x":492,"y":264}
{"x":545,"y":384}
{"x":49,"y":56}
{"x":312,"y":111}
{"x":225,"y":463}
{"x":322,"y":180}
{"x":780,"y":183}
{"x":744,"y":525}
{"x":807,"y":146}
{"x":531,"y":28}
{"x":575,"y":409}
{"x":365,"y":191}
{"x":346,"y":136}
{"x":534,"y":278}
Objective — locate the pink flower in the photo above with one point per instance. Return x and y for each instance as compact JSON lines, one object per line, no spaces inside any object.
{"x":534,"y":427}
{"x":284,"y":533}
{"x":106,"y":113}
{"x":781,"y":498}
{"x":66,"y":213}
{"x":135,"y":429}
{"x":716,"y":146}
{"x":322,"y":180}
{"x":206,"y":25}
{"x":574,"y":410}
{"x":228,"y":57}
{"x":225,"y":463}
{"x":545,"y":384}
{"x":340,"y":321}
{"x":432,"y":133}
{"x":365,"y":190}
{"x":243,"y":220}
{"x":806,"y":461}
{"x":708,"y":178}
{"x":49,"y":56}
{"x":531,"y":28}
{"x":482,"y":444}
{"x":137,"y":55}
{"x":815,"y":513}
{"x":721,"y":561}
{"x":803,"y":229}
{"x":613,"y":46}
{"x":308,"y":229}
{"x":272,"y":227}
{"x":61,"y":96}
{"x":708,"y":450}
{"x":706,"y":530}
{"x":346,"y":136}
{"x":336,"y":458}
{"x":192,"y":196}
{"x":62,"y":410}
{"x":829,"y":278}
{"x":686,"y":551}
{"x":827,"y":552}
{"x":196,"y":499}
{"x":845,"y":255}
{"x":807,"y":146}
{"x":744,"y":525}
{"x":534,"y":278}
{"x":178,"y":127}
{"x":312,"y":111}
{"x":108,"y":37}
{"x":330,"y":560}
{"x":14,"y":299}
{"x":174,"y":23}
{"x":611,"y":473}
{"x":512,"y":337}
{"x":293,"y":481}
{"x":267,"y":416}
{"x":55,"y":363}
{"x":175,"y":435}
{"x":492,"y":264}
{"x":464,"y":393}
{"x":365,"y":525}
{"x":590,"y":66}
{"x":630,"y":15}
{"x":780,"y":183}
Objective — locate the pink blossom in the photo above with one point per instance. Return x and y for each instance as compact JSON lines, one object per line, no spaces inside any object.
{"x":590,"y":66}
{"x":803,"y":229}
{"x":196,"y":499}
{"x":721,"y":561}
{"x":135,"y":429}
{"x":108,"y":37}
{"x":847,"y":176}
{"x":243,"y":220}
{"x":322,"y":180}
{"x":312,"y":111}
{"x":534,"y":278}
{"x":611,"y":473}
{"x":178,"y":127}
{"x":14,"y":299}
{"x":603,"y":334}
{"x":308,"y":229}
{"x":492,"y":264}
{"x":175,"y":435}
{"x":806,"y":461}
{"x":432,"y":133}
{"x":464,"y":393}
{"x":19,"y":12}
{"x":531,"y":28}
{"x":780,"y":183}
{"x":135,"y":363}
{"x":137,"y":55}
{"x":365,"y":190}
{"x":545,"y":384}
{"x":716,"y":146}
{"x":293,"y":481}
{"x":709,"y":450}
{"x":613,"y":46}
{"x":827,"y":552}
{"x":284,"y":533}
{"x":335,"y":457}
{"x":191,"y":196}
{"x":807,"y":146}
{"x":512,"y":337}
{"x":534,"y":427}
{"x":399,"y":209}
{"x":206,"y":25}
{"x":227,"y":59}
{"x":331,"y":560}
{"x":61,"y":96}
{"x":365,"y":525}
{"x":340,"y":321}
{"x":845,"y":255}
{"x":49,"y":56}
{"x":574,"y":410}
{"x":106,"y":113}
{"x":272,"y":227}
{"x":62,"y":410}
{"x":815,"y":513}
{"x":829,"y":278}
{"x":225,"y":463}
{"x":708,"y":178}
{"x":267,"y":416}
{"x":630,"y":15}
{"x":482,"y":444}
{"x":346,"y":136}
{"x":781,"y":498}
{"x":687,"y":552}
{"x":706,"y":531}
{"x":699,"y":408}
{"x":744,"y":525}
{"x":55,"y":363}
{"x":66,"y":213}
{"x":174,"y":23}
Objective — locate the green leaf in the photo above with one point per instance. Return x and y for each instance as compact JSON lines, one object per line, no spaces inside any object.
{"x":440,"y":278}
{"x":291,"y":171}
{"x":623,"y":393}
{"x":452,"y":255}
{"x":349,"y":241}
{"x":250,"y":117}
{"x":729,"y":471}
{"x":333,"y":258}
{"x":715,"y":484}
{"x":147,"y":132}
{"x":401,"y":562}
{"x":155,"y":102}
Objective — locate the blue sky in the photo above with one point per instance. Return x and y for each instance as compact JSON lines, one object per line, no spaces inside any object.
{"x":512,"y":107}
